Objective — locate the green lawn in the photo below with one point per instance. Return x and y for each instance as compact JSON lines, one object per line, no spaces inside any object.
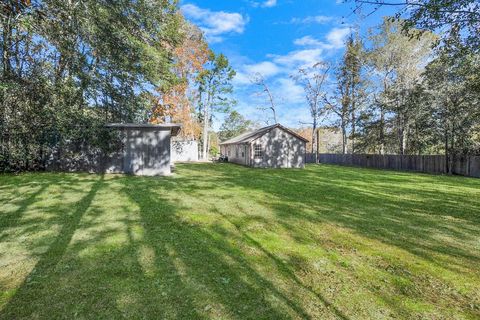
{"x":224,"y":241}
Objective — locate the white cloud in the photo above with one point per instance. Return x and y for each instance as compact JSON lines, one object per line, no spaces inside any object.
{"x":296,"y":116}
{"x":299,"y":58}
{"x":320,"y":19}
{"x":266,"y":69}
{"x":308,"y":41}
{"x":282,"y":66}
{"x":290,"y":100}
{"x":269,"y":3}
{"x":265,"y":4}
{"x":291,"y":92}
{"x":336,"y":37}
{"x":241,"y":78}
{"x":215,"y":24}
{"x":245,"y":73}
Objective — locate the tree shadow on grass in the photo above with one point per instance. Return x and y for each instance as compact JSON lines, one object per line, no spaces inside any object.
{"x":83,"y":273}
{"x":44,"y":270}
{"x":283,"y":268}
{"x":166,"y":268}
{"x":434,"y":218}
{"x":11,"y":219}
{"x":374,"y":203}
{"x":209,"y":267}
{"x":170,"y":266}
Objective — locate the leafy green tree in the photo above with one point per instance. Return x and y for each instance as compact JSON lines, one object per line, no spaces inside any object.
{"x":398,"y":62}
{"x":213,"y":144}
{"x":234,"y":125}
{"x":350,"y":95}
{"x":68,"y":65}
{"x":453,"y":103}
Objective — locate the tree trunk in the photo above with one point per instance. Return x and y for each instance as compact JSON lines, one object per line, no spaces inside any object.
{"x":354,"y":120}
{"x":314,"y":140}
{"x":382,"y":130}
{"x":453,"y":154}
{"x":344,"y":138}
{"x":274,"y":116}
{"x":205,"y":132}
{"x":272,"y":103}
{"x":400,"y":135}
{"x":447,"y":153}
{"x":406,"y":133}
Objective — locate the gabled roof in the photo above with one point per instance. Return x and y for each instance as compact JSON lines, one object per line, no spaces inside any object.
{"x":253,"y":135}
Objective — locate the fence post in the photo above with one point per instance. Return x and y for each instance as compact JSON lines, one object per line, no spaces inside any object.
{"x":436,"y":164}
{"x":467,"y":173}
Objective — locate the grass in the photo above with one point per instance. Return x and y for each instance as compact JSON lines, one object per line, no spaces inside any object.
{"x":224,"y":241}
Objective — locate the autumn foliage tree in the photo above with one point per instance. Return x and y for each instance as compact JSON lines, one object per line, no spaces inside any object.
{"x":69,"y":67}
{"x":176,"y":102}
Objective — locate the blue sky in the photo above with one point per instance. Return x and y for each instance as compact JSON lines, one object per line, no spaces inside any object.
{"x":275,"y":38}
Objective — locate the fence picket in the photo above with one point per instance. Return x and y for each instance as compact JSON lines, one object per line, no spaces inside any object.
{"x":465,"y":166}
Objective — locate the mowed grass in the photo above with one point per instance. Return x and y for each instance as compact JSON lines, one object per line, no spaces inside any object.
{"x":222,"y":241}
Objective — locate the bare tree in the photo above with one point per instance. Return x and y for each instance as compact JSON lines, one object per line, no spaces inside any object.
{"x":259,"y":80}
{"x":312,"y":80}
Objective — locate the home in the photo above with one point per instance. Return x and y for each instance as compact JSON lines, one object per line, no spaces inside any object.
{"x":270,"y":147}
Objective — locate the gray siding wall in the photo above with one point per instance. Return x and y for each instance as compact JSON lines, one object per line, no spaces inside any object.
{"x":280,"y":149}
{"x":146,"y":152}
{"x":237,"y":153}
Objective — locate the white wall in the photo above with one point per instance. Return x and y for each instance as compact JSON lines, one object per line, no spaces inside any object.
{"x":184,"y":151}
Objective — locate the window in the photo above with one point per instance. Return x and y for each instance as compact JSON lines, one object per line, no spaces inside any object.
{"x":258,"y":151}
{"x":236,"y":151}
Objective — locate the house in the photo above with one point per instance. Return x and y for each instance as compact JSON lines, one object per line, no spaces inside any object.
{"x":145,"y":149}
{"x":270,"y":147}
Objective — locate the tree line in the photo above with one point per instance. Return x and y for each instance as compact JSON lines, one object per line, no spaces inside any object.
{"x":409,"y":86}
{"x":406,"y":87}
{"x":68,"y":67}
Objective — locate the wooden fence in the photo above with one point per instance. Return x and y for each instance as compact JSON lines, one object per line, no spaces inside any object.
{"x":465,"y":166}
